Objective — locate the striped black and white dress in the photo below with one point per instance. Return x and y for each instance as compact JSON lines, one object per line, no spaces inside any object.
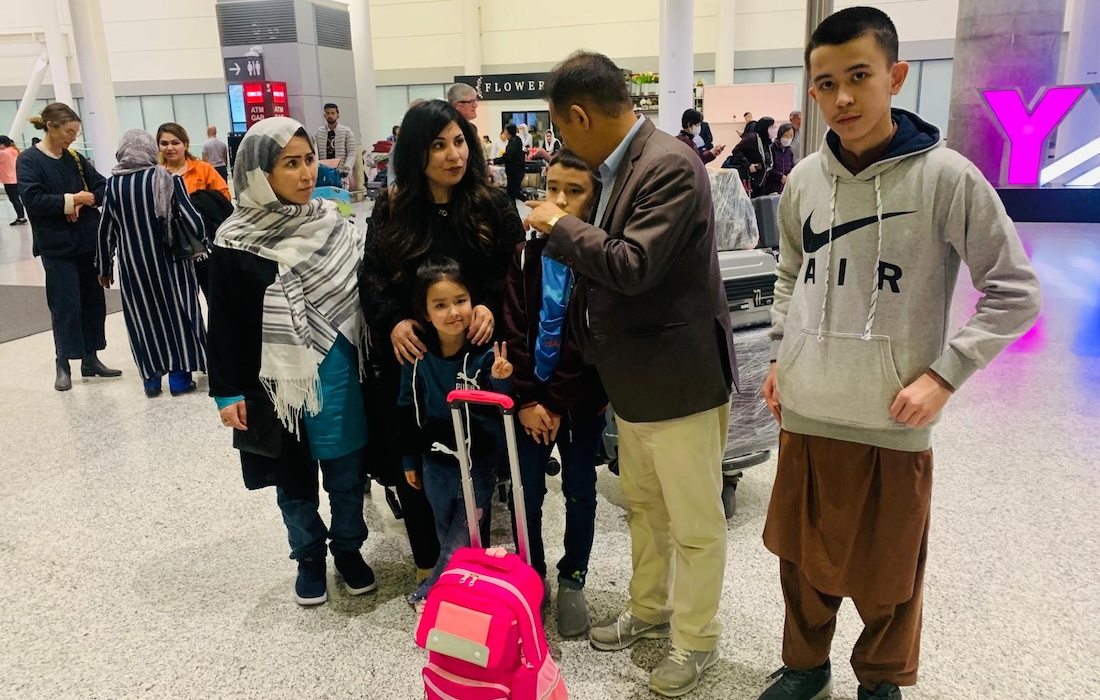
{"x":160,"y":300}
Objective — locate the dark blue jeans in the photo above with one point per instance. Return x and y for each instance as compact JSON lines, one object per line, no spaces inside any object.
{"x":442,"y":482}
{"x":343,"y":479}
{"x":578,"y":442}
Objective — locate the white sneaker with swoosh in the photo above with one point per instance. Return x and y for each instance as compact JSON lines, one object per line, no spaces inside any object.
{"x":620,"y":632}
{"x":680,"y":671}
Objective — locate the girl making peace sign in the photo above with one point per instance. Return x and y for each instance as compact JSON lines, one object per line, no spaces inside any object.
{"x":428,"y":445}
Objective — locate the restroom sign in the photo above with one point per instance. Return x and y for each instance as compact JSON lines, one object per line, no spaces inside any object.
{"x":1027,"y":129}
{"x":244,"y":69}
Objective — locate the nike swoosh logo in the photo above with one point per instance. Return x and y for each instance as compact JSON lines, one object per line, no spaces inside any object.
{"x":813,"y":242}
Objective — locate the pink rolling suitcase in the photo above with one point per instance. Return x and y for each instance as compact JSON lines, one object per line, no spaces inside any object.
{"x":481,"y":624}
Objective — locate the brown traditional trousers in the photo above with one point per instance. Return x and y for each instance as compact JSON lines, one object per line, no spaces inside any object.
{"x":851,"y":521}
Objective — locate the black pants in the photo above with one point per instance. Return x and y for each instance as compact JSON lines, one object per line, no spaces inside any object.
{"x":223,"y":171}
{"x":13,"y":197}
{"x":77,"y":305}
{"x":515,"y":183}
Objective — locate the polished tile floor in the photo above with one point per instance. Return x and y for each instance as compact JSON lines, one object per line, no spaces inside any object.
{"x":134,"y":564}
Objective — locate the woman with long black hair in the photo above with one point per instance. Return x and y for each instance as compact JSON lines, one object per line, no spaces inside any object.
{"x":442,"y":207}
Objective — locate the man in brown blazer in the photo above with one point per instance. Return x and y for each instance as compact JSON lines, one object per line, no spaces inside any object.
{"x":651,"y":315}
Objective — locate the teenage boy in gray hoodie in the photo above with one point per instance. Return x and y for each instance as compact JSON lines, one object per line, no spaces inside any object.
{"x":874,"y":227}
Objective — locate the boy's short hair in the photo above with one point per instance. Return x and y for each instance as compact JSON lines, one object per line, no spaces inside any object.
{"x":568,"y":159}
{"x":331,"y":105}
{"x":852,"y":23}
{"x":511,"y":129}
{"x":591,"y":80}
{"x":691,"y":117}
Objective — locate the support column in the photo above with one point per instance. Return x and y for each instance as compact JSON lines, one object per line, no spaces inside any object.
{"x":34,"y":83}
{"x":813,"y":124}
{"x":471,"y":37}
{"x":985,"y":57}
{"x":676,"y":63}
{"x":100,"y":112}
{"x":58,"y":50}
{"x":727,"y":39}
{"x":363,"y":58}
{"x":1082,"y":68}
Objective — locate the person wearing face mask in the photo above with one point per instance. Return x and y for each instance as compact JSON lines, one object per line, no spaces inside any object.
{"x":752,"y":157}
{"x":782,"y":160}
{"x":692,"y":124}
{"x":286,"y":334}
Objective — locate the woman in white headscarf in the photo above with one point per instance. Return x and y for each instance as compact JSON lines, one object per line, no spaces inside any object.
{"x":144,"y":208}
{"x":287,"y":340}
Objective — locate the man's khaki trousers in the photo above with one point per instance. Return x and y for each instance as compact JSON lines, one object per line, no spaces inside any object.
{"x":671,"y":476}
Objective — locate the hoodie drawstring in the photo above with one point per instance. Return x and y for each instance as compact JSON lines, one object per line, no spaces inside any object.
{"x":878,"y":261}
{"x":828,"y":260}
{"x":874,"y":274}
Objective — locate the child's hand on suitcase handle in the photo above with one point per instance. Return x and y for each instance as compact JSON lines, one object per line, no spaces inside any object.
{"x":502,"y":368}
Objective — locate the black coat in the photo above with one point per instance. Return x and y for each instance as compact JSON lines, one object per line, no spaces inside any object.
{"x":388,"y":301}
{"x":513,"y":159}
{"x":238,"y":281}
{"x":43,"y":184}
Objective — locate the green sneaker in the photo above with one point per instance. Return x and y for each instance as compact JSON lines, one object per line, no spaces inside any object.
{"x":813,"y":684}
{"x":618,"y":633}
{"x":680,"y":671}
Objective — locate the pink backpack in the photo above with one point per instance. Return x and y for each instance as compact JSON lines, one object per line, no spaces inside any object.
{"x":482,"y":625}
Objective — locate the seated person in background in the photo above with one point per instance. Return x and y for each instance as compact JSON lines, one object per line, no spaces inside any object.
{"x":561,"y":399}
{"x":691,"y":122}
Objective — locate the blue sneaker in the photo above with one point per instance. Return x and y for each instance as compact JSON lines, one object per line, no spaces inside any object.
{"x":358,"y":576}
{"x":311,"y":588}
{"x":180,"y":383}
{"x":153,"y":387}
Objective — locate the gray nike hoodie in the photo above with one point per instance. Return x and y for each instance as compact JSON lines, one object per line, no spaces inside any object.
{"x":867,"y":267}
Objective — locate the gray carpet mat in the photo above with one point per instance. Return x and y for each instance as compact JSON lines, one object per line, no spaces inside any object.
{"x":23,"y":310}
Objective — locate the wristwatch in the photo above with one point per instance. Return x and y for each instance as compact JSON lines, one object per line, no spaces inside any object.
{"x":553,"y":220}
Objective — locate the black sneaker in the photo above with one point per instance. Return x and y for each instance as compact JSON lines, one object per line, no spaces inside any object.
{"x":18,"y":222}
{"x":885,"y":691}
{"x":311,"y":588}
{"x":814,"y":684}
{"x":358,"y":576}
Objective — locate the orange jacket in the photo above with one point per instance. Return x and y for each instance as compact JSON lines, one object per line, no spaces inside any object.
{"x":200,"y":175}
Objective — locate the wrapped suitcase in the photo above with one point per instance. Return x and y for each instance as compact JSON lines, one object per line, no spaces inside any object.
{"x":482,"y":625}
{"x":767,"y":220}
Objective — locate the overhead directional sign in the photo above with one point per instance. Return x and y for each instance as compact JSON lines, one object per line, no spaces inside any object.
{"x":244,"y":69}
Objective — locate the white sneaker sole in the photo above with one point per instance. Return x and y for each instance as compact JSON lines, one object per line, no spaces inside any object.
{"x":360,"y":591}
{"x":309,"y":602}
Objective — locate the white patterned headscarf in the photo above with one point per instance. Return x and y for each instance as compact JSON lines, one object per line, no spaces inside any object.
{"x":315,"y":295}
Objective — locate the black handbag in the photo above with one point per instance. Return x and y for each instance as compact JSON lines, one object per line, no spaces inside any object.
{"x":265,"y":433}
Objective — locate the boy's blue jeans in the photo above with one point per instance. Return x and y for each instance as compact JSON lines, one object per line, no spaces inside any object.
{"x":578,"y":442}
{"x":343,"y":479}
{"x":442,"y":482}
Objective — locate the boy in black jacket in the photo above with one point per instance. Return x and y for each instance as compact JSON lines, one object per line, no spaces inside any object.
{"x":566,"y":409}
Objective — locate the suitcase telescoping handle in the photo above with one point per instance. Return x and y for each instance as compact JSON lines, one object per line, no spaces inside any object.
{"x":457,"y":399}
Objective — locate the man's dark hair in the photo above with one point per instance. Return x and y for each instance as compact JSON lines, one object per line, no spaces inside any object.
{"x":590,"y":80}
{"x":331,"y":105}
{"x":691,"y":118}
{"x":852,"y":23}
{"x":568,"y":159}
{"x":511,"y":129}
